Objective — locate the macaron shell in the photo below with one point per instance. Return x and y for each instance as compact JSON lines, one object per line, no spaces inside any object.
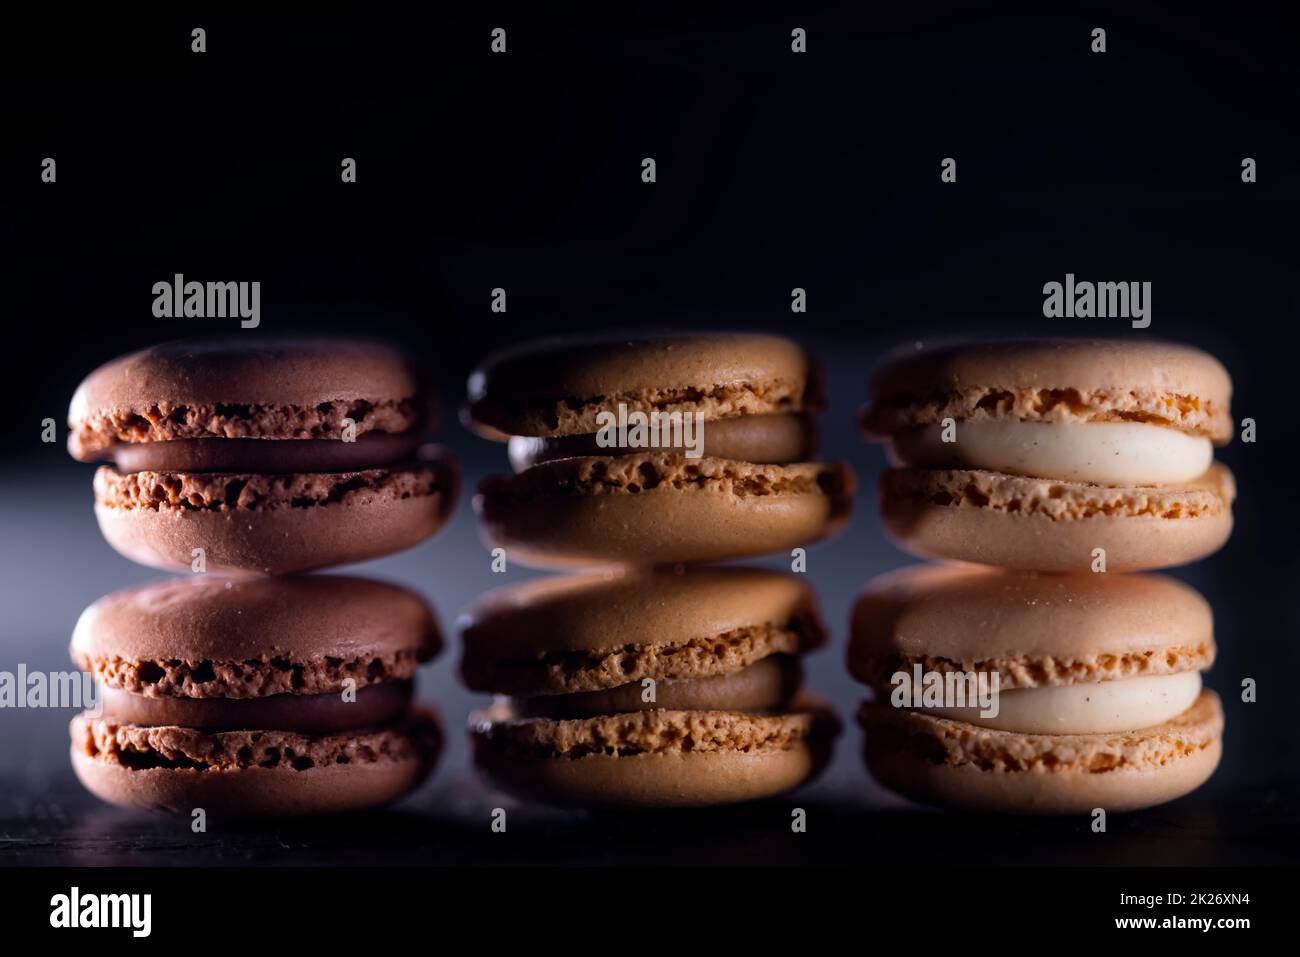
{"x":557,"y":387}
{"x":200,"y":617}
{"x":1033,"y":629}
{"x":614,"y":610}
{"x":364,"y":523}
{"x":1053,"y":379}
{"x":1044,"y":525}
{"x":1009,"y":773}
{"x":588,"y":511}
{"x":677,"y":759}
{"x":245,"y":388}
{"x":279,"y":791}
{"x":679,"y":779}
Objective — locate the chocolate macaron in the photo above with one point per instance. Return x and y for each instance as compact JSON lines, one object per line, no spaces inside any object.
{"x":1098,"y":700}
{"x":255,"y":696}
{"x":647,"y":688}
{"x":272,"y":457}
{"x":1032,"y":454}
{"x":677,"y":448}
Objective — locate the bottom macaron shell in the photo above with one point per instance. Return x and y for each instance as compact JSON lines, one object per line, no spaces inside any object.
{"x":1007,"y":773}
{"x":579,"y":511}
{"x":255,"y":791}
{"x":281,"y":540}
{"x":678,"y":779}
{"x":659,"y":758}
{"x":1042,"y":525}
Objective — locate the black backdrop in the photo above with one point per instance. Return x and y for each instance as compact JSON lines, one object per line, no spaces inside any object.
{"x":775,"y":170}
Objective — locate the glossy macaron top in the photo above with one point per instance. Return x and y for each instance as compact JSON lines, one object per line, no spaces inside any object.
{"x":1104,"y":380}
{"x":558,"y":386}
{"x":245,"y":388}
{"x":253,"y":636}
{"x":1034,"y":629}
{"x":603,"y":611}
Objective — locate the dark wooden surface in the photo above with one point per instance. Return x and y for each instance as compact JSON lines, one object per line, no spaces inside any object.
{"x":448,"y":823}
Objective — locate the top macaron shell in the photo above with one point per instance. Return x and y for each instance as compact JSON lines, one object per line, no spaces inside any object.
{"x":1053,"y":380}
{"x":603,"y":611}
{"x":558,"y":386}
{"x":295,"y":620}
{"x":622,"y":626}
{"x":286,"y":389}
{"x":1034,"y":629}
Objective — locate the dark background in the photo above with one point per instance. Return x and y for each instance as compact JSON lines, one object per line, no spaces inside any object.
{"x":522,"y":171}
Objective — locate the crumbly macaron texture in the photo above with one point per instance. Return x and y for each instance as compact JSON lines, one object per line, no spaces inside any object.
{"x":204,"y":636}
{"x":287,"y":389}
{"x":649,"y":472}
{"x":558,"y":387}
{"x":248,"y":677}
{"x":1209,"y":496}
{"x":1034,"y":630}
{"x":574,"y":671}
{"x":957,"y":743}
{"x":139,"y":747}
{"x":223,"y":491}
{"x":648,"y":732}
{"x":1053,"y":380}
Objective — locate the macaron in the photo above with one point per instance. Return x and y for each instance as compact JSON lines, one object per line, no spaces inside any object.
{"x":1033,"y":454}
{"x":639,"y":688}
{"x":270,"y":456}
{"x":255,"y":696}
{"x":1098,"y":701}
{"x":655,"y":450}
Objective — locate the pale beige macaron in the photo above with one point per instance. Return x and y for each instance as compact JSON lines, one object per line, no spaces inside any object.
{"x":647,"y":688}
{"x":1099,"y":702}
{"x":655,"y":450}
{"x":1034,"y":454}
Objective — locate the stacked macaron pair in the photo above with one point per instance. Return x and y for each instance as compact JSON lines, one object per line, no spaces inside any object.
{"x":1050,"y":681}
{"x":653,"y":679}
{"x":246,"y":687}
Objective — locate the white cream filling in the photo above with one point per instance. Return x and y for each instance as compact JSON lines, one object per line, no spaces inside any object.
{"x":1103,"y":453}
{"x":1127,"y":704}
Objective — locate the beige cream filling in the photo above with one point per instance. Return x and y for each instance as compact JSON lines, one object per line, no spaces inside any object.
{"x":1105,"y":707}
{"x":1102,"y":453}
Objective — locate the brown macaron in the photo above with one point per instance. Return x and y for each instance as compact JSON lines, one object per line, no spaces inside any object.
{"x":270,"y":456}
{"x":647,"y":688}
{"x":1094,"y":690}
{"x":1033,"y":454}
{"x":255,"y":696}
{"x":657,"y":450}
